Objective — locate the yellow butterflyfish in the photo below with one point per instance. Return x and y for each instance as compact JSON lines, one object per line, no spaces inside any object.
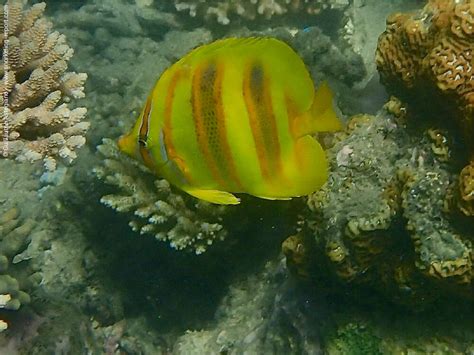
{"x":236,"y":116}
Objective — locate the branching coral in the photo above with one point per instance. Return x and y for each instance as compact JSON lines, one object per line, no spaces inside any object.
{"x":381,"y":217}
{"x":14,"y":238}
{"x":184,"y":222}
{"x":223,"y":10}
{"x":36,"y":121}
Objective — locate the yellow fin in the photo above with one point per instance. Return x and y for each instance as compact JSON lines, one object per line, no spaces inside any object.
{"x":322,"y":99}
{"x":321,"y":117}
{"x":214,"y":196}
{"x":322,"y":110}
{"x":327,"y":122}
{"x":273,"y":198}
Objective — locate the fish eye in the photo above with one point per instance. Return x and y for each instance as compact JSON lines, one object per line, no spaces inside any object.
{"x":142,"y":142}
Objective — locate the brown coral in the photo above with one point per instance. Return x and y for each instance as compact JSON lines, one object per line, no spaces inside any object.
{"x":380,"y":220}
{"x":432,"y":50}
{"x":36,"y":122}
{"x":465,"y":197}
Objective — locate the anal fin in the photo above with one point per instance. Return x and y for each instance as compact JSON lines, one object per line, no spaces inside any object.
{"x":214,"y":196}
{"x":273,"y":198}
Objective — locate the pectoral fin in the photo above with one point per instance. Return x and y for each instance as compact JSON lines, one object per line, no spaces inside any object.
{"x":214,"y":196}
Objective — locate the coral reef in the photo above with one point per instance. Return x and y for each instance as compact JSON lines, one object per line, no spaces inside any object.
{"x":326,"y":59}
{"x":224,"y":10}
{"x":363,"y":23}
{"x":259,"y":315}
{"x":465,"y":195}
{"x":91,"y":298}
{"x":36,"y":121}
{"x":381,"y":217}
{"x":353,"y":338}
{"x":142,"y":19}
{"x":365,"y":336}
{"x":149,"y":44}
{"x":14,"y":238}
{"x":431,"y":51}
{"x":157,"y":208}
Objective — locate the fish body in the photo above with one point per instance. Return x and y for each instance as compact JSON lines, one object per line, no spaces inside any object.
{"x":235,"y":116}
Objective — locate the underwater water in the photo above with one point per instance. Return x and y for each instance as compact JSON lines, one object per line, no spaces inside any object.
{"x":98,"y":255}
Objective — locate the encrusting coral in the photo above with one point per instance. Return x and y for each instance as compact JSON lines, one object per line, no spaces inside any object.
{"x":223,"y":10}
{"x":14,"y":238}
{"x":432,"y":52}
{"x":184,"y":222}
{"x":381,"y":217}
{"x":465,"y":196}
{"x":36,"y":121}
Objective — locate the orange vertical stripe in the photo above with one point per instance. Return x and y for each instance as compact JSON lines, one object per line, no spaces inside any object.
{"x":257,"y":97}
{"x":254,"y":125}
{"x":168,"y":126}
{"x":204,"y":118}
{"x":209,"y":119}
{"x":225,"y":158}
{"x":270,"y":130}
{"x":292,"y":115}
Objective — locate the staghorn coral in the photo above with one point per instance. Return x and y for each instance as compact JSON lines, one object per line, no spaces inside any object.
{"x":157,"y":209}
{"x":37,"y":122}
{"x":14,"y":238}
{"x":223,"y":10}
{"x":431,"y":50}
{"x":381,"y":220}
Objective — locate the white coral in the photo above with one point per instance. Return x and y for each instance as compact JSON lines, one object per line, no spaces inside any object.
{"x":155,"y":207}
{"x":36,"y":119}
{"x":222,"y":10}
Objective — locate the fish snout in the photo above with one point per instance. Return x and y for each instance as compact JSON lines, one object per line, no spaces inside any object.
{"x":127,"y":144}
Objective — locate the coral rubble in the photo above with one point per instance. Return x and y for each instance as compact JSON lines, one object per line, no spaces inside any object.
{"x":381,"y":217}
{"x":224,"y":10}
{"x":185,"y":223}
{"x":37,"y":122}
